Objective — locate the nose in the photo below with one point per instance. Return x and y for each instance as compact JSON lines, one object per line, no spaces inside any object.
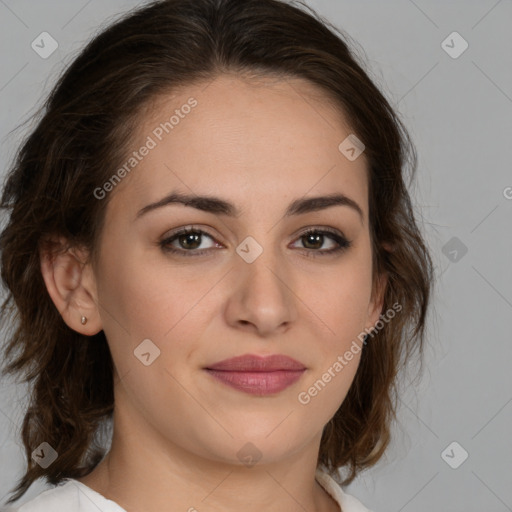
{"x":262,"y":300}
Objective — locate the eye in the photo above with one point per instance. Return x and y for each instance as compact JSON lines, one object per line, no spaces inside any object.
{"x":314,"y":238}
{"x":189,"y":240}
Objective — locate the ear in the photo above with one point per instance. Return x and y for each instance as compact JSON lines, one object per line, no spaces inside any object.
{"x":377,"y":301}
{"x":71,"y":284}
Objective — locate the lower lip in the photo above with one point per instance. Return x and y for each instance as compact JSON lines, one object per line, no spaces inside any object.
{"x":258,"y":383}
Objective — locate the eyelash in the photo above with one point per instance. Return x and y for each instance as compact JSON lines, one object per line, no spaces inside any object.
{"x":343,"y":243}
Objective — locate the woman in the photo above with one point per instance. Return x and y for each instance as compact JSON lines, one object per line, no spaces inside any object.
{"x":211,"y":245}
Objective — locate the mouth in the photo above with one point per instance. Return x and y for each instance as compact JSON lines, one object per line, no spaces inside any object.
{"x":258,"y":375}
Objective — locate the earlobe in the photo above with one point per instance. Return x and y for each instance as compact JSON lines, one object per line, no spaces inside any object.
{"x":71,"y":285}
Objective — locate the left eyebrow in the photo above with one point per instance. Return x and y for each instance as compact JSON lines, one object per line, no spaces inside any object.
{"x":219,"y":206}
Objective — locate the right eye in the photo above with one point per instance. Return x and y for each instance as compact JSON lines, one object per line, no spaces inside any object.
{"x":190,"y":239}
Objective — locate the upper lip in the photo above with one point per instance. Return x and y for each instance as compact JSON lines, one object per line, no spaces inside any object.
{"x":254,"y":363}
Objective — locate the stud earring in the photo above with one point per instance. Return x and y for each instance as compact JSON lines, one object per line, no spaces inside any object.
{"x":83,"y":320}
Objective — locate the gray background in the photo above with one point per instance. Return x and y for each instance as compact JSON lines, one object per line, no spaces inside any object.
{"x":459,"y":112}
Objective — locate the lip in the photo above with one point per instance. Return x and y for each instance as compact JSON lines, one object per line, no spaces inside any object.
{"x":254,"y":363}
{"x":258,"y":375}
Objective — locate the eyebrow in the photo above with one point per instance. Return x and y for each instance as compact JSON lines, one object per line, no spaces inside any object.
{"x":219,"y":206}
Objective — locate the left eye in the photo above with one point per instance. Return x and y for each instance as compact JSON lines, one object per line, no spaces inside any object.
{"x":190,"y":240}
{"x":317,"y":237}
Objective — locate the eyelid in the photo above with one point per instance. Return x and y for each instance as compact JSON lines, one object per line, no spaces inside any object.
{"x":324,"y":229}
{"x":205,"y":230}
{"x":335,"y":234}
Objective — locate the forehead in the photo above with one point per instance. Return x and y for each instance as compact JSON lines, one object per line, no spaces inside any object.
{"x":269,"y":138}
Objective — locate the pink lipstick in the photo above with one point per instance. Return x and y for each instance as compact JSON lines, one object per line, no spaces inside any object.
{"x":258,"y":375}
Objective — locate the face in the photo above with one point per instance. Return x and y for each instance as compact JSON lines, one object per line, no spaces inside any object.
{"x":258,"y":280}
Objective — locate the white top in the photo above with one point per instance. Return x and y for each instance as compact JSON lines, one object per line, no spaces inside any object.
{"x":74,"y":496}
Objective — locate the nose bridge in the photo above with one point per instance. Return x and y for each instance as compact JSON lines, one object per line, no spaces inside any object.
{"x":261,"y":293}
{"x":260,"y":263}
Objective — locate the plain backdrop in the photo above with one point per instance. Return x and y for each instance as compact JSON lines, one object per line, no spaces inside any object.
{"x":458,"y":107}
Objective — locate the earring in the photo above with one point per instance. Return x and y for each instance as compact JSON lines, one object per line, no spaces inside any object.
{"x":83,"y":320}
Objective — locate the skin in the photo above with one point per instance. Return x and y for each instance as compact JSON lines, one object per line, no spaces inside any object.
{"x":260,"y":145}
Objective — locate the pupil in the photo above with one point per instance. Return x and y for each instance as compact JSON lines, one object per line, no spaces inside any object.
{"x":314,"y":238}
{"x":190,"y":236}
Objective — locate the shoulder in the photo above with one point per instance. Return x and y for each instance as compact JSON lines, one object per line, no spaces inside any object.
{"x":58,"y":498}
{"x":347,"y":502}
{"x":68,"y":496}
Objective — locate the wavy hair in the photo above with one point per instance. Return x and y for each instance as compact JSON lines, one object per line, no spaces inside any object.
{"x":84,"y":129}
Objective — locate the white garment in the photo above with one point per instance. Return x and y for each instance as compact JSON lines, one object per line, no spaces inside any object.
{"x":74,"y":496}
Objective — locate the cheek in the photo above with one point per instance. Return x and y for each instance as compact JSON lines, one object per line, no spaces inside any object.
{"x":342,"y":296}
{"x":322,"y":395}
{"x":342,"y":308}
{"x":141,"y":302}
{"x":141,"y":296}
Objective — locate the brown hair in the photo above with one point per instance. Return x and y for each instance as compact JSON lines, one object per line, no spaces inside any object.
{"x":85,"y":132}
